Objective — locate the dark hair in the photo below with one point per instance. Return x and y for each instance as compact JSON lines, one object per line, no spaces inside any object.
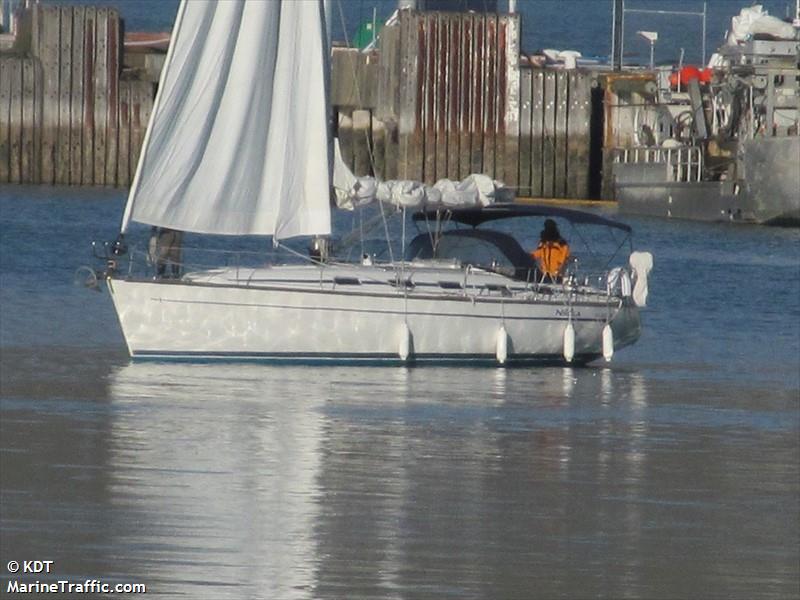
{"x":550,"y":232}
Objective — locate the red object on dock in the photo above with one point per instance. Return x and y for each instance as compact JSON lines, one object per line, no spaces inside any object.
{"x":689,"y":72}
{"x":144,"y":40}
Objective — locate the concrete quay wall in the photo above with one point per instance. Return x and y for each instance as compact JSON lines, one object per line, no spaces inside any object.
{"x":68,"y":115}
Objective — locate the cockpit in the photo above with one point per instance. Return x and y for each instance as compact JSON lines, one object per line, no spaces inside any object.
{"x":491,"y":250}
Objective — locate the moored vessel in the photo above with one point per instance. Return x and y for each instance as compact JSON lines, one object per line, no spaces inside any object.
{"x":220,"y":161}
{"x":725,"y":150}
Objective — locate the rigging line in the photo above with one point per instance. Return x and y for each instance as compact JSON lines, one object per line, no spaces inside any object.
{"x":586,"y":244}
{"x":127,"y":215}
{"x":386,"y":232}
{"x":327,"y":265}
{"x":357,"y":86}
{"x":278,"y":245}
{"x":403,"y":246}
{"x":366,"y":132}
{"x":361,"y":230}
{"x":594,"y":253}
{"x":619,"y":246}
{"x":351,"y":238}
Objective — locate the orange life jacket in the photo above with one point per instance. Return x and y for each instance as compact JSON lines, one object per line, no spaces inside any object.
{"x":551,"y":257}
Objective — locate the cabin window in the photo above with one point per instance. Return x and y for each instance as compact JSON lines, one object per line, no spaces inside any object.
{"x":346,"y":281}
{"x":471,"y":251}
{"x":466,"y":250}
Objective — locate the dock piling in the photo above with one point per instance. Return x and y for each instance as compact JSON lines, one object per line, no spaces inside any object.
{"x":444,"y":95}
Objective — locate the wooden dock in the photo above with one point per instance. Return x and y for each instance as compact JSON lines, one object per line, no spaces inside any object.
{"x":443,"y":95}
{"x":67,"y":113}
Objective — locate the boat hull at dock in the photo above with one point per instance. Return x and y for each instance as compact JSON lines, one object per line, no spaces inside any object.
{"x":711,"y":201}
{"x":772,"y":179}
{"x":197,"y":319}
{"x":766,"y":193}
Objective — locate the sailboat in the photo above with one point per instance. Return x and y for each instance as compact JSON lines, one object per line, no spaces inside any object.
{"x":239,"y":144}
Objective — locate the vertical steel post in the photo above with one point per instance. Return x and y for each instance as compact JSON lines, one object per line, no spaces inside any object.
{"x":704,"y":33}
{"x":617,"y":33}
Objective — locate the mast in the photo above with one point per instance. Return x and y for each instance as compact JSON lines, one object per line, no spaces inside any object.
{"x":321,"y":243}
{"x":328,"y":48}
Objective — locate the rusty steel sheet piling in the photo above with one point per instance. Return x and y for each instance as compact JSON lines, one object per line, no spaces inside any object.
{"x":454,"y":100}
{"x":447,"y":98}
{"x":443,"y":95}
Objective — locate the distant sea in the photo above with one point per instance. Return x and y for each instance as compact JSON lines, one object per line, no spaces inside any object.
{"x":583,"y":25}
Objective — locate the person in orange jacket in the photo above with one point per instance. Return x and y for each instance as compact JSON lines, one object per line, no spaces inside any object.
{"x":552,"y":252}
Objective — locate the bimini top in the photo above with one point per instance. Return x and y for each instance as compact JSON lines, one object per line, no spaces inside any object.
{"x":477,"y":216}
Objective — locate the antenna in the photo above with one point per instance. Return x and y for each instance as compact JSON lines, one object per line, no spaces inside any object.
{"x":652,"y":37}
{"x":702,"y":15}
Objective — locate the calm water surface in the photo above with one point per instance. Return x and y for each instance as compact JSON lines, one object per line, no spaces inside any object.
{"x":674,"y":472}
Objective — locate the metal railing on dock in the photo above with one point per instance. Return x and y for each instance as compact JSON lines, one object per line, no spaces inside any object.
{"x":682,"y":163}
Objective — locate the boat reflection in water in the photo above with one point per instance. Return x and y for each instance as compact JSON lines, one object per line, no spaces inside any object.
{"x":288,"y":482}
{"x":220,"y":475}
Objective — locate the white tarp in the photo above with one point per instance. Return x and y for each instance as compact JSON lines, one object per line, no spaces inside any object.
{"x":642,"y":264}
{"x":475,"y":190}
{"x":754,"y":20}
{"x":238,"y":143}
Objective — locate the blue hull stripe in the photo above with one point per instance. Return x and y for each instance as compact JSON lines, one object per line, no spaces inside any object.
{"x":342,"y":359}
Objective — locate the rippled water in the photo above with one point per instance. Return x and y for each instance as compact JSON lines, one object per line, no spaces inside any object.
{"x":672,"y":473}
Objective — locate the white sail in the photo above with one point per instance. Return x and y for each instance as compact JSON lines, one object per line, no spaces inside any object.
{"x":238,"y":142}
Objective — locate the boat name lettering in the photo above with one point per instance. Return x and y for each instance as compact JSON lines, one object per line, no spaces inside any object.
{"x":566,"y":312}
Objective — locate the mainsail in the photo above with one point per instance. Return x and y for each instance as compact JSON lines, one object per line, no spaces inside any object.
{"x":474,"y":190}
{"x":238,"y":142}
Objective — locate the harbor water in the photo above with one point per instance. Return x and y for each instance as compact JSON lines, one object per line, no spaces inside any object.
{"x":671,"y":472}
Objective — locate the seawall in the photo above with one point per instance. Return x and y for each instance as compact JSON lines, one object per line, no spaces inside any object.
{"x":69,"y":112}
{"x":442,"y":95}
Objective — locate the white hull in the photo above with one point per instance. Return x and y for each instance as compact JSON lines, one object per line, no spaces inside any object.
{"x":302,"y":313}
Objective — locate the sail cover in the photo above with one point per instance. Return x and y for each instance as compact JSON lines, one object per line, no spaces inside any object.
{"x":352,"y":192}
{"x":238,"y":142}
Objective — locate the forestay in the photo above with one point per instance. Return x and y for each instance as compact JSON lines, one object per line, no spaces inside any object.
{"x":238,"y":143}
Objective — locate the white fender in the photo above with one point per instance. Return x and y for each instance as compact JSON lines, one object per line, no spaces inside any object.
{"x":569,"y":342}
{"x":406,"y":342}
{"x":501,"y":347}
{"x":608,"y":343}
{"x":642,"y":264}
